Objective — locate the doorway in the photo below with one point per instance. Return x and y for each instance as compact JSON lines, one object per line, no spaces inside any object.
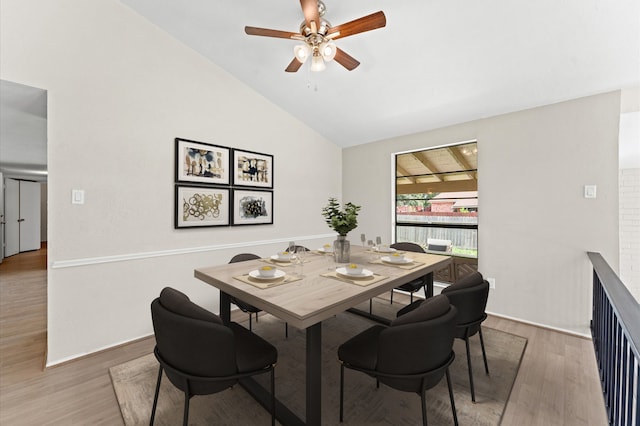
{"x":23,"y":166}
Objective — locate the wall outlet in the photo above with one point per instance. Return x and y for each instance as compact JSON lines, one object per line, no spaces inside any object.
{"x":492,"y":282}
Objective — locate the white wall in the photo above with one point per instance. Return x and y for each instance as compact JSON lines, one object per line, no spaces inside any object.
{"x":535,"y":227}
{"x":119,"y":92}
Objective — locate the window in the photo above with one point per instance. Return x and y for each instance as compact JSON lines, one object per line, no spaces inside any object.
{"x":437,"y":200}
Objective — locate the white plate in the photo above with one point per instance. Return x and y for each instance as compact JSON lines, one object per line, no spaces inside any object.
{"x":256,"y":274}
{"x":402,"y":261}
{"x":323,"y":250}
{"x":388,"y":250}
{"x":279,"y":259}
{"x":365,"y":273}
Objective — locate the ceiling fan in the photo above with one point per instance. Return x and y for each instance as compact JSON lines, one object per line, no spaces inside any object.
{"x":318,"y":35}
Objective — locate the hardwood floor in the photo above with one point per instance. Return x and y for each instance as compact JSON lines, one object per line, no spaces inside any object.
{"x":557,"y":384}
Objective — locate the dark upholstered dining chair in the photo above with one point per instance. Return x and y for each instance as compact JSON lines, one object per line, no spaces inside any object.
{"x":245,"y":307}
{"x":418,"y":283}
{"x":411,"y":355}
{"x":469,"y":295}
{"x":200,"y":355}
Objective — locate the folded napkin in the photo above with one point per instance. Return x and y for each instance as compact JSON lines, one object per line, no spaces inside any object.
{"x":407,"y":266}
{"x":358,"y":281}
{"x":267,"y":283}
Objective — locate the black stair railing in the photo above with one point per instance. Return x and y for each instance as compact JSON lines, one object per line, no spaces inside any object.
{"x":615,"y":327}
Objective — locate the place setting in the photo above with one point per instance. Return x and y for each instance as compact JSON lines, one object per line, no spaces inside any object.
{"x":267,"y":276}
{"x":355,"y":274}
{"x":397,"y":259}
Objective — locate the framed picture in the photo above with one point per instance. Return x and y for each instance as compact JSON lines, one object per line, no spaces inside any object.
{"x":252,"y":207}
{"x":199,"y":206}
{"x":252,"y":169}
{"x":202,"y":162}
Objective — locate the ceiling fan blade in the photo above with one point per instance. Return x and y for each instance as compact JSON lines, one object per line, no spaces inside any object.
{"x":311,"y":14}
{"x":294,"y":66}
{"x":360,"y":25}
{"x":346,"y":60}
{"x":265,"y":32}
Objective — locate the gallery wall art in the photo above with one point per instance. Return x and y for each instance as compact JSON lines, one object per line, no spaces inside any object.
{"x":217,"y":185}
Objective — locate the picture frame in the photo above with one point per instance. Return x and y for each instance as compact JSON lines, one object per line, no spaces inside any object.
{"x":252,"y":169}
{"x":200,"y":162}
{"x":252,"y":207}
{"x":201,"y":206}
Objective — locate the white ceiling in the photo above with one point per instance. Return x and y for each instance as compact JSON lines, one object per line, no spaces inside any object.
{"x":436,"y":62}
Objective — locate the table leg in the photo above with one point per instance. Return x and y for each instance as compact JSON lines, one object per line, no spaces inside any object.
{"x":225,"y":307}
{"x":428,"y":284}
{"x":314,"y":380}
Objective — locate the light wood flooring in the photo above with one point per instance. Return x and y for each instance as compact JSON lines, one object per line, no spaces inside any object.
{"x":557,"y":384}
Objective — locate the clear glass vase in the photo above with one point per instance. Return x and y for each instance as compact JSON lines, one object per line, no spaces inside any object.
{"x":342,"y":249}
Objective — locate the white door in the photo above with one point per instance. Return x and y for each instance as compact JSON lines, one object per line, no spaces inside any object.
{"x":12,"y":215}
{"x":29,"y":216}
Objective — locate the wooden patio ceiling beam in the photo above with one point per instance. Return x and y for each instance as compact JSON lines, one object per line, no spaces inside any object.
{"x":459,"y":158}
{"x":400,"y":172}
{"x":430,"y":166}
{"x":449,"y":186}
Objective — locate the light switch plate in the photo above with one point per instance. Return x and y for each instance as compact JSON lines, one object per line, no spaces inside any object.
{"x":77,"y":196}
{"x":589,"y":191}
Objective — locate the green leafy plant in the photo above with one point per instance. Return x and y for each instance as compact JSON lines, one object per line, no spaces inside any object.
{"x":341,"y":220}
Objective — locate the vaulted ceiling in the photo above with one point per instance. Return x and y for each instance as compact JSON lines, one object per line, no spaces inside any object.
{"x":435,"y":63}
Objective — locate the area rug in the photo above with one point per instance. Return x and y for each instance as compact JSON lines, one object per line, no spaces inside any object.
{"x":134,"y":384}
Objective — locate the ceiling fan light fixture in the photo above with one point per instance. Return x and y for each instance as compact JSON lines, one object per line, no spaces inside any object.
{"x":328,"y":50}
{"x":302,"y":52}
{"x":317,"y":63}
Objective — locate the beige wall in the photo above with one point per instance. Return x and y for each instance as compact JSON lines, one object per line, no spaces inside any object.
{"x":527,"y":161}
{"x":119,"y":92}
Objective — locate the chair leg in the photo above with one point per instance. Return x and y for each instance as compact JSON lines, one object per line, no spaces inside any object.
{"x":411,"y":298}
{"x":155,"y":398}
{"x":185,"y":422}
{"x":453,"y":404}
{"x":473,"y":394}
{"x":341,"y":390}
{"x":256,"y":317}
{"x":370,"y":306}
{"x":273,"y":396}
{"x":250,"y":325}
{"x":286,"y":330}
{"x":484,"y":354}
{"x":392,"y":296}
{"x":424,"y":407}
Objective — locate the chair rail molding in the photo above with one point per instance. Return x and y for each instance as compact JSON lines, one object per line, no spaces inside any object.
{"x":72,"y":263}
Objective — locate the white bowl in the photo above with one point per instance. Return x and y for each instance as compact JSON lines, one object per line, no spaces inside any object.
{"x":328,"y":248}
{"x":284,"y":255}
{"x":353,"y":269}
{"x":396,"y":257}
{"x":267,"y":271}
{"x":385,"y":249}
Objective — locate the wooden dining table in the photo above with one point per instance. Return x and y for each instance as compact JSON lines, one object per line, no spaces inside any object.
{"x":318,"y":293}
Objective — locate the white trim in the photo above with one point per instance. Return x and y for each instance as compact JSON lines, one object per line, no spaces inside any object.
{"x":535,"y":324}
{"x":60,"y":264}
{"x":93,"y":352}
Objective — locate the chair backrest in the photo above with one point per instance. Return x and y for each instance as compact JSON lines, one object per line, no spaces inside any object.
{"x":243,"y":257}
{"x":469,"y":295}
{"x":296,"y":248}
{"x":434,"y":244}
{"x":193,"y":341}
{"x":406,"y":246}
{"x":418,"y":342}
